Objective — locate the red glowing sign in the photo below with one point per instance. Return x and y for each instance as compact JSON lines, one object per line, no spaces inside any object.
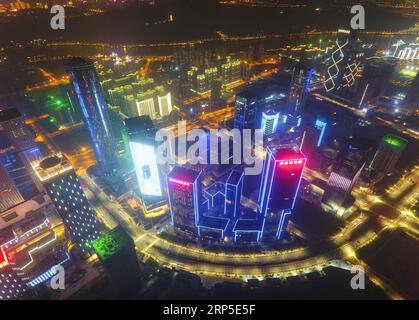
{"x":291,"y":162}
{"x":4,"y":261}
{"x":181,"y":182}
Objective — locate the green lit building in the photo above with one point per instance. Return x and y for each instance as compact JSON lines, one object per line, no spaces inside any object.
{"x":386,"y":156}
{"x":116,"y":251}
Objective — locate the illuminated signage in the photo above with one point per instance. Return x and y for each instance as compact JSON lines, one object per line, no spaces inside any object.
{"x":146,"y":169}
{"x":181,"y":182}
{"x":290,"y":162}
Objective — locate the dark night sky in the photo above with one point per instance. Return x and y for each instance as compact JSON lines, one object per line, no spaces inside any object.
{"x":193,"y":19}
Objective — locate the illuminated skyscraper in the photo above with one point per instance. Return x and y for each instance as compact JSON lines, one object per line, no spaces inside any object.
{"x":375,"y":79}
{"x":141,"y":136}
{"x":269,"y":123}
{"x":165,"y":104}
{"x":233,"y":193}
{"x":411,"y":102}
{"x":64,"y":189}
{"x":300,"y":81}
{"x":345,"y":172}
{"x":387,"y":155}
{"x":339,"y":59}
{"x":281,"y":176}
{"x":146,"y":107}
{"x":18,"y":133}
{"x":245,"y":112}
{"x":95,"y":115}
{"x":184,"y":188}
{"x":116,"y":251}
{"x":9,"y":195}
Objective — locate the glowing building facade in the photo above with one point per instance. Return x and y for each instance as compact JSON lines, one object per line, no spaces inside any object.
{"x":269,"y":122}
{"x":65,"y":191}
{"x":141,"y":135}
{"x":281,"y":176}
{"x":184,"y":188}
{"x":9,"y":194}
{"x":387,"y":155}
{"x":95,"y":115}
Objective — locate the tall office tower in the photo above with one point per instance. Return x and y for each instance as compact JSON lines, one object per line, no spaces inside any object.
{"x":18,"y":167}
{"x":411,"y":102}
{"x":387,"y":155}
{"x":340,"y":59}
{"x":345,"y":172}
{"x":116,"y":252}
{"x":9,"y":195}
{"x":141,"y":135}
{"x":12,"y":282}
{"x":18,"y":133}
{"x":146,"y":108}
{"x":282,"y":171}
{"x":233,"y":193}
{"x":184,"y":188}
{"x":269,"y":122}
{"x":313,"y":136}
{"x":375,"y":79}
{"x":64,"y":189}
{"x":300,"y":81}
{"x":95,"y":115}
{"x":165,"y":104}
{"x":245,"y":112}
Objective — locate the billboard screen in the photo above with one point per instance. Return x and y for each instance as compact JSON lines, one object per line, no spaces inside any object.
{"x":146,"y":169}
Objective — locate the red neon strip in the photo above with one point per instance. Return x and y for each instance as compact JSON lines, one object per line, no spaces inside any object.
{"x":177,"y":181}
{"x":291,"y":162}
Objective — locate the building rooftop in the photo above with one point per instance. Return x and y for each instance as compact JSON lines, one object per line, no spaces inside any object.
{"x":287,"y":152}
{"x":234,"y":177}
{"x":183,"y":174}
{"x":217,"y":223}
{"x":248,"y":225}
{"x":395,"y":141}
{"x":51,"y":166}
{"x":111,"y":243}
{"x":9,"y":114}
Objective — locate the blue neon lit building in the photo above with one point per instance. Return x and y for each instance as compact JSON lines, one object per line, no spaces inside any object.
{"x":300,"y":82}
{"x":321,"y":126}
{"x":281,"y":176}
{"x":95,"y":115}
{"x":184,"y":188}
{"x":269,"y":122}
{"x":233,"y":193}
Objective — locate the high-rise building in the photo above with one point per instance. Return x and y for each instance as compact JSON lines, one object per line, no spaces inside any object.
{"x":12,"y":282}
{"x":9,"y":194}
{"x":141,"y":135}
{"x":375,"y":79}
{"x":341,"y":59}
{"x":281,"y":176}
{"x":233,"y":193}
{"x":18,"y":168}
{"x":146,"y":107}
{"x":18,"y":133}
{"x":387,"y":155}
{"x":95,"y":115}
{"x":300,"y":81}
{"x":245,"y":113}
{"x":116,"y":252}
{"x":345,"y":172}
{"x":184,"y":188}
{"x":269,"y":123}
{"x":411,"y":102}
{"x":165,"y":104}
{"x":65,"y":191}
